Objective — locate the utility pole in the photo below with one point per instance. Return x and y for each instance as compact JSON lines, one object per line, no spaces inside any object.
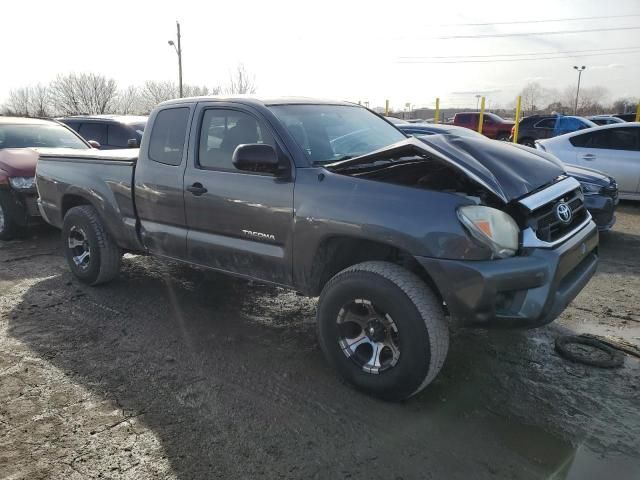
{"x":580,"y":70}
{"x":178,"y":50}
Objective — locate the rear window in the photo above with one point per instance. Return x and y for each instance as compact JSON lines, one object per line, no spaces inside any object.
{"x":167,"y":136}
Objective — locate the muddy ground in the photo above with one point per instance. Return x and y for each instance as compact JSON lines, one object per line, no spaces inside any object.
{"x":177,"y":373}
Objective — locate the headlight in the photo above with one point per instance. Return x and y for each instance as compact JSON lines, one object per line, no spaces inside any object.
{"x":590,"y":188}
{"x":492,"y":227}
{"x":22,"y":183}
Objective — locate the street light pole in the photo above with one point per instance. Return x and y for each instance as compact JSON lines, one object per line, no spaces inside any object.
{"x":580,"y":70}
{"x":478,"y":102}
{"x":178,"y":50}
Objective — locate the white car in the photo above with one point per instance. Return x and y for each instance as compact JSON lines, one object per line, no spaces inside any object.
{"x":613,"y":149}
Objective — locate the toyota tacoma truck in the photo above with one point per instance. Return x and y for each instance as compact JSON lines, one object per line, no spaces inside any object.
{"x":399,"y":237}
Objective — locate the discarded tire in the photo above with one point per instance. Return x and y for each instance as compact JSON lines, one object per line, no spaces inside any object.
{"x":597,"y":355}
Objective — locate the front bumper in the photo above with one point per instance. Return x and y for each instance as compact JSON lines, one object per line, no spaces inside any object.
{"x":22,"y":206}
{"x":525,"y":291}
{"x":602,"y":209}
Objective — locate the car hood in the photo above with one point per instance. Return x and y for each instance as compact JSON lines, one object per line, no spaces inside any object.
{"x":18,"y":162}
{"x":507,"y":172}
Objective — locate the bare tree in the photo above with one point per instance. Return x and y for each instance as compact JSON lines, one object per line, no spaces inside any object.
{"x":621,"y":105}
{"x":29,"y":102}
{"x":83,"y":93}
{"x":534,"y":96}
{"x":591,"y":101}
{"x":154,"y":92}
{"x":241,"y":82}
{"x":128,"y":101}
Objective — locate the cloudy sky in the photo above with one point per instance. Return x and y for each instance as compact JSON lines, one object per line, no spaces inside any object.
{"x":352,"y":50}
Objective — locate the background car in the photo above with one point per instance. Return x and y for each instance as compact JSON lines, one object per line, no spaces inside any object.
{"x":605,"y":119}
{"x":435,"y":128}
{"x":613,"y":149}
{"x":110,"y":131}
{"x":538,"y":127}
{"x":600,"y":190}
{"x":627,"y":117}
{"x":18,"y":167}
{"x":493,"y":126}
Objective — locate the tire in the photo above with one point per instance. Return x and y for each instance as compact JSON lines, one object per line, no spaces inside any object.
{"x":415,"y":321}
{"x":528,"y":142}
{"x":83,"y":228}
{"x":612,"y":358}
{"x":503,"y":137}
{"x":8,"y":228}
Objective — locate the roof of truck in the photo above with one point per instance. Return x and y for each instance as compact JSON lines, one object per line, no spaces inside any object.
{"x":259,"y":101}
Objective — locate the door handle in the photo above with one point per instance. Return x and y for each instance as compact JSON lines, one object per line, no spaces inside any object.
{"x":588,"y":156}
{"x":197,"y":189}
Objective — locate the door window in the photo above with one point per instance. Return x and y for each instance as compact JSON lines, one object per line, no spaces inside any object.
{"x":222,"y":131}
{"x":546,"y":123}
{"x":118,"y":136}
{"x":167,"y":136}
{"x":616,"y":139}
{"x":94,"y":131}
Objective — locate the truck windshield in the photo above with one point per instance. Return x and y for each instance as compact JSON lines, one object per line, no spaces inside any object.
{"x":34,"y":135}
{"x":327,"y":133}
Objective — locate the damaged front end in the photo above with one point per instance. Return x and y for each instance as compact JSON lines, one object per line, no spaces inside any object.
{"x":492,"y":175}
{"x":521,"y":206}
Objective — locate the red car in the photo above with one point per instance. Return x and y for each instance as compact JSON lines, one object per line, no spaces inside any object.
{"x":18,"y":207}
{"x":493,"y":126}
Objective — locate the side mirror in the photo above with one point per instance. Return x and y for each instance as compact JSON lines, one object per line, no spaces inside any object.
{"x":132,"y":143}
{"x":94,"y":144}
{"x":256,"y":157}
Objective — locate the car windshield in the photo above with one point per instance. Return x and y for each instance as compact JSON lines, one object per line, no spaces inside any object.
{"x":327,"y":133}
{"x":38,"y":135}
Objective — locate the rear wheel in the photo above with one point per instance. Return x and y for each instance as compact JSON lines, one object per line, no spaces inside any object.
{"x":8,"y":228}
{"x":503,"y":137}
{"x":528,"y":142}
{"x":92,"y":255}
{"x":383,"y":329}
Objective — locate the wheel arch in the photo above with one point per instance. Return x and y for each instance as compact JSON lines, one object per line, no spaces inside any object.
{"x":335,"y":253}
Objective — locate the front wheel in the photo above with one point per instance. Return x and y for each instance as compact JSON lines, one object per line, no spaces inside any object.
{"x":528,"y":142}
{"x":383,"y":329}
{"x":503,"y":137}
{"x":92,"y":255}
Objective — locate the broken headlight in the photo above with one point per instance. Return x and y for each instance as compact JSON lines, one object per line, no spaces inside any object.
{"x":22,"y":183}
{"x":494,"y":228}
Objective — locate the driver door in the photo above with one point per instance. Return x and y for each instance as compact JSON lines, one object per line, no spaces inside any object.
{"x":238,"y":221}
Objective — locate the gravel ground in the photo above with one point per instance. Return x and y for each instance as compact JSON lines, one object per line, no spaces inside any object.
{"x":177,"y":373}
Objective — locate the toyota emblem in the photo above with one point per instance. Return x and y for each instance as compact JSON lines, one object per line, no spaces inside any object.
{"x":563,"y":212}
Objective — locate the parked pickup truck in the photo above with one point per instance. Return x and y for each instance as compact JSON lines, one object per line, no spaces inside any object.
{"x":398,"y":237}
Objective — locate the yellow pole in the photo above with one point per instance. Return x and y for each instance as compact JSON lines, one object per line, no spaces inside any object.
{"x":481,"y":118}
{"x":638,"y":112}
{"x":436,"y":116}
{"x":517,"y":126}
{"x":386,"y":108}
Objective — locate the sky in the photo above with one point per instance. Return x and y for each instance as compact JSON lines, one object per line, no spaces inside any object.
{"x":365,"y":51}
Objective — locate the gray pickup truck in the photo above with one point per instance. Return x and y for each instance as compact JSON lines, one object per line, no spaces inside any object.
{"x":400,"y":237}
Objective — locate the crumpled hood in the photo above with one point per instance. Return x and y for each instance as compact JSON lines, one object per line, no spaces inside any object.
{"x":18,"y":162}
{"x":509,"y":171}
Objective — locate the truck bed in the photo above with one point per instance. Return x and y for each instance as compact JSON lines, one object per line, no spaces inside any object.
{"x":102,"y":179}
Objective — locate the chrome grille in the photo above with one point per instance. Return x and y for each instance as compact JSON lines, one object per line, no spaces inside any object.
{"x":547,"y":225}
